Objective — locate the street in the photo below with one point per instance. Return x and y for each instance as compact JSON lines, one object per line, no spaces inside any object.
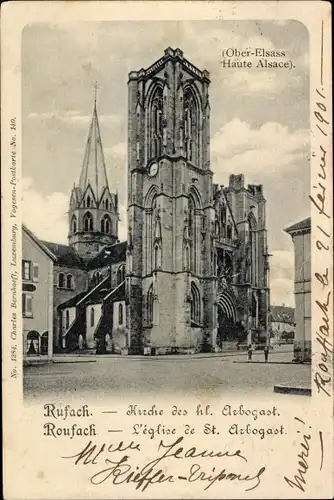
{"x":216,"y":375}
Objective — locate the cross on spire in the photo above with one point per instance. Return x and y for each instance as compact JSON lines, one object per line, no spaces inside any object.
{"x":96,"y":88}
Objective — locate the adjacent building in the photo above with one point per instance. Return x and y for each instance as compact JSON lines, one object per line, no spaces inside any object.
{"x":301,"y":237}
{"x":37,"y":296}
{"x":282,"y":322}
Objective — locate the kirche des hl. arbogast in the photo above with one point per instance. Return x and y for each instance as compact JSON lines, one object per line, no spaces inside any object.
{"x":193,"y":272}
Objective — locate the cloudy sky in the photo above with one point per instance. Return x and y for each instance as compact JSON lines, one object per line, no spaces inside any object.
{"x":259,"y":117}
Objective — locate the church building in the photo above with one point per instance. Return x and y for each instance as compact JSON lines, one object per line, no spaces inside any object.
{"x":193,"y":273}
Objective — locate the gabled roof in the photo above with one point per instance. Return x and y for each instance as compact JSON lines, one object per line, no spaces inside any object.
{"x":39,"y":243}
{"x":93,"y":171}
{"x":299,"y":226}
{"x":65,"y":255}
{"x":111,"y":254}
{"x":282,"y":314}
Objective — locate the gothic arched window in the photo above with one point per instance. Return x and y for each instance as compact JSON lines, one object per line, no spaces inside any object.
{"x":156,"y":124}
{"x":229,"y":231}
{"x":252,"y":246}
{"x":223,"y":221}
{"x":67,"y":319}
{"x":191,"y":126}
{"x":105,"y":224}
{"x":92,"y":318}
{"x":150,"y":305}
{"x":97,"y":277}
{"x":195,"y":304}
{"x":120,"y":314}
{"x":61,"y":280}
{"x":69,"y":282}
{"x":120,"y":274}
{"x":88,"y":221}
{"x":192,"y":234}
{"x":74,"y":224}
{"x":88,"y":202}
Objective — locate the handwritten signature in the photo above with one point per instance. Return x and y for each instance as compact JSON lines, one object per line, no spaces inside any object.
{"x":322,"y":376}
{"x":120,"y":471}
{"x":299,"y":479}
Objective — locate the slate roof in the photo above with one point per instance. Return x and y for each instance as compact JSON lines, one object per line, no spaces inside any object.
{"x":282,"y":314}
{"x":109,"y":255}
{"x":95,"y":296}
{"x":93,"y":170}
{"x":299,"y":226}
{"x":65,"y":254}
{"x":73,"y":301}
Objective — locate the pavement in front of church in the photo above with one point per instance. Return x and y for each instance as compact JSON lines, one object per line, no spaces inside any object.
{"x":213,"y":376}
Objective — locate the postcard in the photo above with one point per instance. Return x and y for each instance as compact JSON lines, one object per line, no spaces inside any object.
{"x":167,"y":250}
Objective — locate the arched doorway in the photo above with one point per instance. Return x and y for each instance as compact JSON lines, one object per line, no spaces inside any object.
{"x":44,"y":343}
{"x":33,"y":338}
{"x":227,"y":324}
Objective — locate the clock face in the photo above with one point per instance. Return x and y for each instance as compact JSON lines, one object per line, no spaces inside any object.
{"x":153,"y":169}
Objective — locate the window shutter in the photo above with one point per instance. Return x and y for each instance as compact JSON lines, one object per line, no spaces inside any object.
{"x":35,"y":272}
{"x":23,"y":304}
{"x":29,"y":304}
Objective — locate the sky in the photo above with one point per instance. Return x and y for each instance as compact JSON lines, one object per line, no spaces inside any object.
{"x":259,"y":117}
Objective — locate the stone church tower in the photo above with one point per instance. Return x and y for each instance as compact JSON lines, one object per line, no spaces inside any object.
{"x":93,"y":213}
{"x":197,"y":259}
{"x":170,"y":206}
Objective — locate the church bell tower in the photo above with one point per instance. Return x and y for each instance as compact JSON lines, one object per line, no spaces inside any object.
{"x":93,"y":212}
{"x":170,"y":207}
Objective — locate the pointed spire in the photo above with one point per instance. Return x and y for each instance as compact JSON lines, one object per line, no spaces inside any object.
{"x":93,"y":169}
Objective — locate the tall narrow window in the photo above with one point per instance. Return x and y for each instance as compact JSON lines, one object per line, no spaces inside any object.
{"x":252,"y":243}
{"x":120,"y":314}
{"x":150,"y":306}
{"x":156,"y":124}
{"x":156,"y":257}
{"x":195,"y":304}
{"x":74,"y":224}
{"x":192,"y":234}
{"x":92,"y":319}
{"x":120,"y":274}
{"x":61,"y":280}
{"x":229,"y":231}
{"x":88,"y":221}
{"x":88,"y":202}
{"x":191,"y":127}
{"x":69,"y":282}
{"x":67,"y":319}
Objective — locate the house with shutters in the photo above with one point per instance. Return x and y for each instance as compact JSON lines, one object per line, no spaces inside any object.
{"x":37,"y":296}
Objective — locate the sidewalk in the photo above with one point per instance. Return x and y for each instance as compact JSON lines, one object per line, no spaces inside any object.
{"x":299,"y":389}
{"x":82,"y":357}
{"x":88,"y":357}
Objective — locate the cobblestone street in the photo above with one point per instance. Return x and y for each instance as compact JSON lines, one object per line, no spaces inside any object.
{"x":98,"y":376}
